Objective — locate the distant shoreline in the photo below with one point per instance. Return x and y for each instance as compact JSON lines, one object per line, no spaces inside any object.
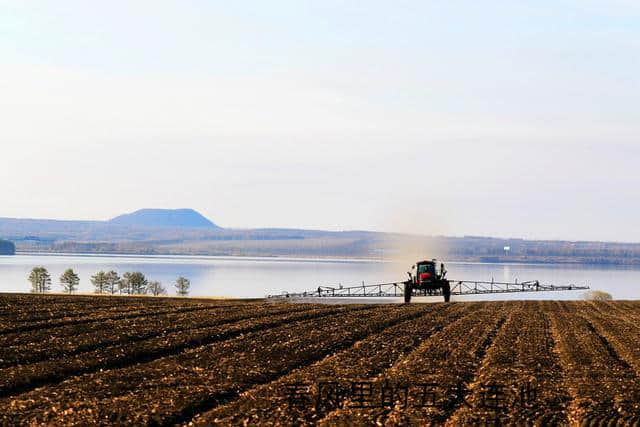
{"x":108,"y":239}
{"x":336,"y":259}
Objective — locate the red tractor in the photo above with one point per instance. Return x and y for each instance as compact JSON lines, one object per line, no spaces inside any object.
{"x":427,"y":281}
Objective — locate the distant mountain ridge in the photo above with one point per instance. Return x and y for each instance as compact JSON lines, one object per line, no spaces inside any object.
{"x":186,"y":232}
{"x":174,"y":218}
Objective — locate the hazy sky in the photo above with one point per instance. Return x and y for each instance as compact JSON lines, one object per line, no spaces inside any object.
{"x":488,"y":117}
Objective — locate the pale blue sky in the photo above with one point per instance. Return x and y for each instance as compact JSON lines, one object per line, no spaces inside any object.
{"x":458,"y":117}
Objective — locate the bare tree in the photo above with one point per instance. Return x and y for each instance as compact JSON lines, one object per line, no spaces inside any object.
{"x":124,"y":286}
{"x":69,"y":281}
{"x":112,"y":281}
{"x":40,"y":280}
{"x":156,"y":288}
{"x":134,"y":283}
{"x":99,"y":281}
{"x":182,"y":286}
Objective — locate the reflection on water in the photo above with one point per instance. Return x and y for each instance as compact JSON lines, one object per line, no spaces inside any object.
{"x":506,"y":273}
{"x":257,"y":277}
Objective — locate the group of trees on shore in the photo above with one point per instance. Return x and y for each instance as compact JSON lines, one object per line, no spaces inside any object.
{"x":106,"y":282}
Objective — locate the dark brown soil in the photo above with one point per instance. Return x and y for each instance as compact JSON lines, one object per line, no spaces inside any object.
{"x":83,"y":360}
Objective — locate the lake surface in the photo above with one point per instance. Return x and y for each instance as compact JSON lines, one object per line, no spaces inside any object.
{"x":257,"y":277}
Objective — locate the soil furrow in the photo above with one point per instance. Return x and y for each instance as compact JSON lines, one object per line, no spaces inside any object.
{"x":69,"y":311}
{"x":21,"y":379}
{"x":104,"y":324}
{"x":267,"y":404}
{"x":613,"y":354}
{"x":518,"y":376}
{"x":444,"y":364}
{"x":139,"y":361}
{"x":182,"y":384}
{"x":78,"y":321}
{"x":123,"y":332}
{"x":188,"y":414}
{"x":601,"y":384}
{"x":622,"y":336}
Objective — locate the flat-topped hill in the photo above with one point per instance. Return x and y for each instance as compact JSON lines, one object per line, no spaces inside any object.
{"x":164,"y":218}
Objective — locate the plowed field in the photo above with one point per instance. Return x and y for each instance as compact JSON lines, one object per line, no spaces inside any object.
{"x":167,"y":361}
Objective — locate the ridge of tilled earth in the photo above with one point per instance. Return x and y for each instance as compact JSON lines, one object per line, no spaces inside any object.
{"x":175,"y":387}
{"x":233,"y":363}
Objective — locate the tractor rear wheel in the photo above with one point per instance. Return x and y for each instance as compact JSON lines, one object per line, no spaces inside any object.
{"x":446,"y":291}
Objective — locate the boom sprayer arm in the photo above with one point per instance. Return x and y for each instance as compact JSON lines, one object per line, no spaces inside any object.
{"x":427,"y":282}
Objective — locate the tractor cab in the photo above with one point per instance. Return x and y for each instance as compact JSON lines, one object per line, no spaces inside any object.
{"x":427,"y":280}
{"x":427,"y":273}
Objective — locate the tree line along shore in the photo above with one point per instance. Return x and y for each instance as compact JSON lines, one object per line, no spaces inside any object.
{"x":106,"y":282}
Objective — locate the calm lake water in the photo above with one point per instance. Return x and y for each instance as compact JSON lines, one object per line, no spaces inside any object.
{"x":257,"y":277}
